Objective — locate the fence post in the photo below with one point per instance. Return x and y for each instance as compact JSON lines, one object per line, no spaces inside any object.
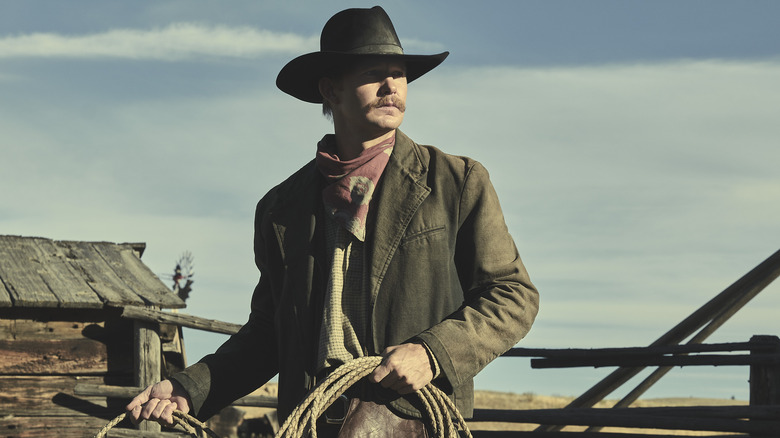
{"x":765,"y":378}
{"x":147,"y":358}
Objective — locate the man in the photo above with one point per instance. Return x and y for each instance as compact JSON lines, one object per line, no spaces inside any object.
{"x":377,"y":246}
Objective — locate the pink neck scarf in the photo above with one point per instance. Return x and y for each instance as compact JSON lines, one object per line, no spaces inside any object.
{"x":351,"y":183}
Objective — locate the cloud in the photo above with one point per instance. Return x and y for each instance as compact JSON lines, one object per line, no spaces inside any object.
{"x":177,"y":41}
{"x":635,"y":192}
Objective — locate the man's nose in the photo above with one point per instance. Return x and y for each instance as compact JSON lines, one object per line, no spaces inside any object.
{"x":389,"y":86}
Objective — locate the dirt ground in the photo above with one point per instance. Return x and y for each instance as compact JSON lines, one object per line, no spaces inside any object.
{"x":500,"y":400}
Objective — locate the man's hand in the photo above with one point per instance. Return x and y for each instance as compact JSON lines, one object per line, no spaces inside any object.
{"x":405,"y":368}
{"x":157,"y":402}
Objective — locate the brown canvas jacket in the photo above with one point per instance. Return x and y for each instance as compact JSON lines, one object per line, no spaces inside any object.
{"x":442,"y":268}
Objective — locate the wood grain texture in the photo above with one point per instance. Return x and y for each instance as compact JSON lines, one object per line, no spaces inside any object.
{"x":53,"y":357}
{"x":21,"y":275}
{"x":44,"y":273}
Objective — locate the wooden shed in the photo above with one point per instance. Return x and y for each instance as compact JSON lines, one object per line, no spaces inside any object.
{"x":61,"y":325}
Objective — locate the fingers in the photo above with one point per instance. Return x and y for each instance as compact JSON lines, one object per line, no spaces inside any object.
{"x":163,"y":411}
{"x":402,"y":384}
{"x":157,"y":403}
{"x":136,"y":405}
{"x":404,"y":369}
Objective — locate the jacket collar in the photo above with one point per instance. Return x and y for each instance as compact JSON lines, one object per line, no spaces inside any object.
{"x":401,"y":191}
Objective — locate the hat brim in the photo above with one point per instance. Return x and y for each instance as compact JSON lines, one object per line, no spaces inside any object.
{"x":300,"y":77}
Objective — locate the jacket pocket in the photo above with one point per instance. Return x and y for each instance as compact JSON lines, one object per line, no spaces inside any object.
{"x":427,"y":233}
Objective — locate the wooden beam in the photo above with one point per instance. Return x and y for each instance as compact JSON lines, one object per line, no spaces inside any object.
{"x":128,"y":392}
{"x":148,"y":361}
{"x":629,"y":351}
{"x":710,"y":316}
{"x":651,"y":361}
{"x":90,"y":389}
{"x":180,"y":319}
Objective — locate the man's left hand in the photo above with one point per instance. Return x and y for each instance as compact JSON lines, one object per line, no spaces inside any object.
{"x":405,"y":368}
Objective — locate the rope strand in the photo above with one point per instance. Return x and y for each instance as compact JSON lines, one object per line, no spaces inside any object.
{"x":438,"y":407}
{"x":190,"y":424}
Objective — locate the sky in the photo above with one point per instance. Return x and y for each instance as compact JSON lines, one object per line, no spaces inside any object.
{"x":634,"y":147}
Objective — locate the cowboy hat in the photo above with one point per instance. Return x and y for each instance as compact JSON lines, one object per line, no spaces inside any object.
{"x":347,"y":36}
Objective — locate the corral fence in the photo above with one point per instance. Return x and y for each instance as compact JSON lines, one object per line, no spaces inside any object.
{"x":760,"y":419}
{"x":683,"y":345}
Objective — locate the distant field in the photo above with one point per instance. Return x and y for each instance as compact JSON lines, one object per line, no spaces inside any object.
{"x":501,"y":400}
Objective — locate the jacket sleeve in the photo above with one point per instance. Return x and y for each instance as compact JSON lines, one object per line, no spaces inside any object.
{"x":248,"y":359}
{"x":500,"y":302}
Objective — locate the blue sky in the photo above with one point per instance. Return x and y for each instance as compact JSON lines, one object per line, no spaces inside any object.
{"x":634,"y":146}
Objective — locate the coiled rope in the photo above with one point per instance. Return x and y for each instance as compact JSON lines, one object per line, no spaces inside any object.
{"x":190,"y":424}
{"x":439,"y":409}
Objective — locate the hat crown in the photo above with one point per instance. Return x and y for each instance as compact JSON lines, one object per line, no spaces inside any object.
{"x":361,"y":31}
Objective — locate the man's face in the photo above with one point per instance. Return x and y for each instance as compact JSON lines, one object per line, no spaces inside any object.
{"x":371,"y":98}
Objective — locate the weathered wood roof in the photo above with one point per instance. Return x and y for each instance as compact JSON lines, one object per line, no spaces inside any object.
{"x":38,"y":272}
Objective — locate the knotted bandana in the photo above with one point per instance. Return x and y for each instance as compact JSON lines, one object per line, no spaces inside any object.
{"x":352,"y":182}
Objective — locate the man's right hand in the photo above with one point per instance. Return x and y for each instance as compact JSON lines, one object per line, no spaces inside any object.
{"x":157,"y":402}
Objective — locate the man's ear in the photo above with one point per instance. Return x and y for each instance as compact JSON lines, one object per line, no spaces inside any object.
{"x":328,"y":90}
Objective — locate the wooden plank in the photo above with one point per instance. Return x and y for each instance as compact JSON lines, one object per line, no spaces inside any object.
{"x":55,"y":357}
{"x":181,"y":319}
{"x":20,"y":275}
{"x":113,"y":391}
{"x":47,"y":427}
{"x":562,"y":353}
{"x":99,"y":276}
{"x":633,"y":361}
{"x":137,"y":276}
{"x":11,"y":329}
{"x":5,"y":296}
{"x":52,"y":396}
{"x":67,"y":284}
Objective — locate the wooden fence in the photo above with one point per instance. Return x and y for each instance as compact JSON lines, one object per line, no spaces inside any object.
{"x":760,"y":419}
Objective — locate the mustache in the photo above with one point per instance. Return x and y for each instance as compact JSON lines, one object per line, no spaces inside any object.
{"x":387,"y":100}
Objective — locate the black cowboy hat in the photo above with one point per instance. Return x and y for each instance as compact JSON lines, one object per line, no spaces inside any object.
{"x":349,"y":35}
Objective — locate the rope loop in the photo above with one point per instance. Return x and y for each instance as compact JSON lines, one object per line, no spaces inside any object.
{"x":190,"y":424}
{"x":439,"y":409}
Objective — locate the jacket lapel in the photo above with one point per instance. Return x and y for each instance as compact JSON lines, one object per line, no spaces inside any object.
{"x":401,"y":193}
{"x":295,"y":225}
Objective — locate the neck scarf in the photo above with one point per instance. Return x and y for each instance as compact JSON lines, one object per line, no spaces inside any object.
{"x":352,"y":182}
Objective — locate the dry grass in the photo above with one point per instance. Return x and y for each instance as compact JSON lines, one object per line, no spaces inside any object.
{"x":501,"y":400}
